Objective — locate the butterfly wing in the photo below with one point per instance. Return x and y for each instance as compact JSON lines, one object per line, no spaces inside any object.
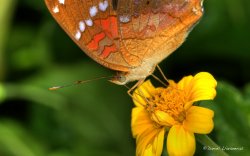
{"x":92,"y":25}
{"x":152,"y":29}
{"x":130,"y":36}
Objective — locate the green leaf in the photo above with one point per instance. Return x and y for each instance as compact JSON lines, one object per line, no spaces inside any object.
{"x":2,"y":93}
{"x":231,"y":127}
{"x":15,"y":140}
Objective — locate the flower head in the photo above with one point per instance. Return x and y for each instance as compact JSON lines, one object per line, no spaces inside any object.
{"x":161,"y":110}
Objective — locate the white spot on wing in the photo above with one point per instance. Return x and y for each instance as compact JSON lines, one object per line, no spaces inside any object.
{"x":195,"y":11}
{"x":93,"y":11}
{"x":78,"y":35}
{"x":89,"y":22}
{"x":56,"y":9}
{"x":61,"y":1}
{"x":202,"y":9}
{"x":124,"y":18}
{"x":81,"y":26}
{"x":103,"y":5}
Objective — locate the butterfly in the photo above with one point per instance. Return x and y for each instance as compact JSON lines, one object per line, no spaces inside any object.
{"x":128,"y":36}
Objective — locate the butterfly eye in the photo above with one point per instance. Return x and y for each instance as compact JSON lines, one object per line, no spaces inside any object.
{"x":121,"y":78}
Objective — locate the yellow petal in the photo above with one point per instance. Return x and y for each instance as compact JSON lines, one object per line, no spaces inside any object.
{"x":155,"y":148}
{"x":140,"y":121}
{"x":142,"y":92}
{"x":163,"y":118}
{"x":199,"y":120}
{"x":149,"y":136}
{"x":180,"y":142}
{"x":185,"y":82}
{"x":158,"y":142}
{"x":150,"y":142}
{"x":200,"y":87}
{"x":148,"y":151}
{"x":136,"y":113}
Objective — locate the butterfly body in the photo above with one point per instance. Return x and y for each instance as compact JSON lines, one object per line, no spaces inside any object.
{"x":128,"y":36}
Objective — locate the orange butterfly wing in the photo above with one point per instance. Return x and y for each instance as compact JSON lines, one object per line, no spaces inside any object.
{"x":153,"y":29}
{"x":130,"y":36}
{"x":92,"y":25}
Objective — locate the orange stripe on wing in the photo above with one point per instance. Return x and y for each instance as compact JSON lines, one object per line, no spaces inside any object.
{"x":94,"y":43}
{"x":108,"y":50}
{"x":109,"y":26}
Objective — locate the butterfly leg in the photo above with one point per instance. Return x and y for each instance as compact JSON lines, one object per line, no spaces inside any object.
{"x":139,"y":93}
{"x":157,"y":78}
{"x":163,"y":75}
{"x":138,"y":83}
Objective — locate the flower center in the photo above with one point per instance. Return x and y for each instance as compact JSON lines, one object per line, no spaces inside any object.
{"x":170,"y":100}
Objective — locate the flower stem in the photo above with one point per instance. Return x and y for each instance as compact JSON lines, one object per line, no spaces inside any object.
{"x":209,"y":144}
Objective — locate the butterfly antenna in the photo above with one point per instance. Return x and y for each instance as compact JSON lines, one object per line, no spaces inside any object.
{"x":79,"y":82}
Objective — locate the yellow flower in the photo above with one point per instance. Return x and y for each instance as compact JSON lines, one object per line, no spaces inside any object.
{"x":170,"y":111}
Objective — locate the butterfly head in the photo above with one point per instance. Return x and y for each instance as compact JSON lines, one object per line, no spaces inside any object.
{"x":119,"y":78}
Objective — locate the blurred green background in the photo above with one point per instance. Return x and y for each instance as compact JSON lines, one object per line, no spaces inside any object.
{"x":94,"y":118}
